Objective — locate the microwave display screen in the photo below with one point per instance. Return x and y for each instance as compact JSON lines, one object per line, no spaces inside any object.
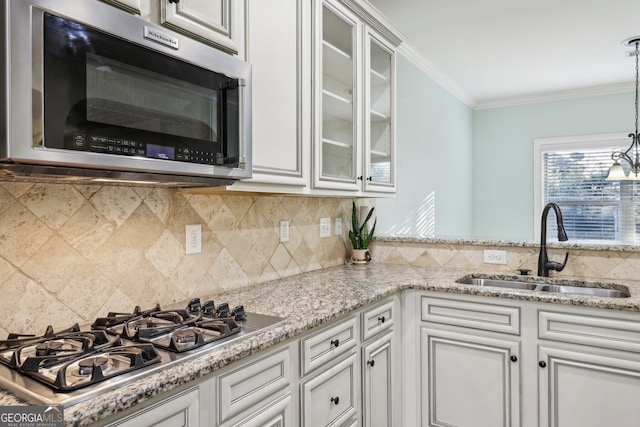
{"x":107,"y":95}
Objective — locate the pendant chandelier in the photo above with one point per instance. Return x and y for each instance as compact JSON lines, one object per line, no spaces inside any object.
{"x":632,"y":155}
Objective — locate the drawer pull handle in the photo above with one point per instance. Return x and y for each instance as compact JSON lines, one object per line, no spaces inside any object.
{"x":371,"y":362}
{"x":335,"y":343}
{"x":335,"y":399}
{"x":381,"y":319}
{"x":514,"y":358}
{"x":542,"y":364}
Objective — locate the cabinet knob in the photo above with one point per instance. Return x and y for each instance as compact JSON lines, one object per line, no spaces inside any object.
{"x":335,"y":400}
{"x":542,"y":364}
{"x":381,"y":319}
{"x":335,"y":343}
{"x":371,"y":362}
{"x":514,"y":358}
{"x":360,"y":178}
{"x":370,"y":178}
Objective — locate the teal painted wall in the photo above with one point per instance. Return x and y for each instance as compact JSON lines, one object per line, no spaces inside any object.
{"x":503,"y":155}
{"x":434,"y":132}
{"x":469,"y":173}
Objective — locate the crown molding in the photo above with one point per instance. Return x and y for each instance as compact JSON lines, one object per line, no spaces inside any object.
{"x":408,"y":51}
{"x":432,"y":71}
{"x":556,"y":96}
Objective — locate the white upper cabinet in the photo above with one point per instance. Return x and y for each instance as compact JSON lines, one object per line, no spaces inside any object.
{"x":379,"y":114}
{"x":337,"y":121}
{"x":216,"y":22}
{"x":353,"y":101}
{"x":220,"y":23}
{"x":133,"y":6}
{"x":281,"y":102}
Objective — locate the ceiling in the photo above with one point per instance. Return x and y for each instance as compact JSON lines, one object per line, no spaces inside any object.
{"x":491,"y":51}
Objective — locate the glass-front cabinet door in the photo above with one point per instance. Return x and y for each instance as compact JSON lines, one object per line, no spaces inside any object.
{"x":379,"y":114}
{"x":354,"y":101}
{"x":336,"y":127}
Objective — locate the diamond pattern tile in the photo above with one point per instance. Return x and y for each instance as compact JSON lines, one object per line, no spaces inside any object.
{"x":69,"y":253}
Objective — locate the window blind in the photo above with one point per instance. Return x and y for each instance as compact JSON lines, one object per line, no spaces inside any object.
{"x":593,"y":209}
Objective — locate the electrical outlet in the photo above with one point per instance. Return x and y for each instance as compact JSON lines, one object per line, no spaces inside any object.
{"x":284,"y":231}
{"x":495,"y":257}
{"x":337,"y":227}
{"x":325,"y":227}
{"x":193,"y":236}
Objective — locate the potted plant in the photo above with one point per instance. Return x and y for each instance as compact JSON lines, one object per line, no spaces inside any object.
{"x":361,"y":236}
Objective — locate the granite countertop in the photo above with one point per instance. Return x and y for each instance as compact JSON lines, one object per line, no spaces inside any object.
{"x":579,"y":245}
{"x":309,"y":300}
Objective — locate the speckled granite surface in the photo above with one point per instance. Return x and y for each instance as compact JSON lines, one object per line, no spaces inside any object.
{"x":309,"y":300}
{"x":509,"y":243}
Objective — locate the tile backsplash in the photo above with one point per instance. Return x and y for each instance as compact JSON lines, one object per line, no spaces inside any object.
{"x":71,"y":253}
{"x":584,"y":260}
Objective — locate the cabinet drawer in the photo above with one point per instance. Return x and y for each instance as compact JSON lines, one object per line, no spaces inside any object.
{"x":598,"y":331}
{"x":275,"y":414}
{"x":378,"y":319}
{"x":330,"y":397}
{"x":324,"y":346}
{"x":177,"y":411}
{"x":488,"y":317}
{"x":252,"y":382}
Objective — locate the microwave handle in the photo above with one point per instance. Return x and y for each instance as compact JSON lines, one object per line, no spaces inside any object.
{"x":231,"y":84}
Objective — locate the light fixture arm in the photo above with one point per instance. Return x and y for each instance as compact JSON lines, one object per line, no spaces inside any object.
{"x":632,"y":159}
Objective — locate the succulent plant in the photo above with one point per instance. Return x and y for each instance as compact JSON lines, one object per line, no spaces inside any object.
{"x":359,"y":235}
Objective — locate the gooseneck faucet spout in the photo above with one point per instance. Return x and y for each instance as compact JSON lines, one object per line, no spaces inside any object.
{"x":544,"y":265}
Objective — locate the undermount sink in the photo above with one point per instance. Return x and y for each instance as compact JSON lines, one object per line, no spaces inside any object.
{"x":545,"y":287}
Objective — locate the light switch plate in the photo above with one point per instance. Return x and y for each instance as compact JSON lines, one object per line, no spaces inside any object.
{"x":325,"y":227}
{"x":284,"y":231}
{"x":337,"y":227}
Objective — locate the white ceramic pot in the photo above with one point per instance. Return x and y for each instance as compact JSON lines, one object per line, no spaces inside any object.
{"x":360,"y":256}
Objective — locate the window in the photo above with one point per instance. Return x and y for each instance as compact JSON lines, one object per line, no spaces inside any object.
{"x":571,"y":172}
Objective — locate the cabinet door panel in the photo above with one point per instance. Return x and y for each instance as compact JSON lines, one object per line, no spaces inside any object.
{"x":469,"y":380}
{"x":216,"y":22}
{"x":336,"y":88}
{"x":379,"y":114}
{"x":587,"y":390}
{"x":274,"y":49}
{"x":131,"y":6}
{"x":378,"y":394}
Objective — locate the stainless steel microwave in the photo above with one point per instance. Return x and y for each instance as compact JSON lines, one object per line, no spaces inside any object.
{"x":94,"y":94}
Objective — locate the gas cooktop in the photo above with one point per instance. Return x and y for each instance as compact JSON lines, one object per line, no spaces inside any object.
{"x":72,"y":365}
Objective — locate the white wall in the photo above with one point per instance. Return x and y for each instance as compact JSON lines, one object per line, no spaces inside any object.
{"x":434,"y":161}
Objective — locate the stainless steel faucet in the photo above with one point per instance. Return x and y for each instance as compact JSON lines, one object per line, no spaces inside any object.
{"x":544,"y":265}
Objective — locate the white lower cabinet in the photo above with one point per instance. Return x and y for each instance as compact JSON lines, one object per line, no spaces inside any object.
{"x":588,"y":368}
{"x":378,"y":377}
{"x":469,"y":380}
{"x":275,"y":414}
{"x":330,"y":397}
{"x":493,"y":362}
{"x":381,"y":369}
{"x":249,"y":385}
{"x":582,"y":388}
{"x":180,"y":410}
{"x":448,"y":360}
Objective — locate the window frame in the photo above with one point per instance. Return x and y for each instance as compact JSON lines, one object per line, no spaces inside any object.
{"x":584,"y":142}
